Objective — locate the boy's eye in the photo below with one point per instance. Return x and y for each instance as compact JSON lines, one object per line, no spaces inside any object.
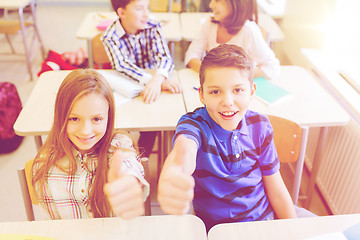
{"x":214,"y":92}
{"x":238,"y":90}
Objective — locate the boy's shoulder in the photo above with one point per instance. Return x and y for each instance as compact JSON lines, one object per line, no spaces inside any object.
{"x":253,"y":117}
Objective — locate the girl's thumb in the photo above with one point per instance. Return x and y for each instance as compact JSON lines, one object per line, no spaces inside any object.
{"x":116,"y":163}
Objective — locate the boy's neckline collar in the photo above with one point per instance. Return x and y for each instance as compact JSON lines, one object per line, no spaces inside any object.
{"x":223,"y":134}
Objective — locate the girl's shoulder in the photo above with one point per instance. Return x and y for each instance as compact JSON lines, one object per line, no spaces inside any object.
{"x":120,"y":140}
{"x":250,"y":26}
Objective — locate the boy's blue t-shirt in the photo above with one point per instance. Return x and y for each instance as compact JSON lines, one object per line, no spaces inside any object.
{"x":230,"y":166}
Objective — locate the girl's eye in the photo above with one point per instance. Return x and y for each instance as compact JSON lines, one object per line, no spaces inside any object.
{"x":238,"y":90}
{"x":97,"y":119}
{"x":74,"y":119}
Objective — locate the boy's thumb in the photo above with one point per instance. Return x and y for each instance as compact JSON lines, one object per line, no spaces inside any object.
{"x":115,"y":170}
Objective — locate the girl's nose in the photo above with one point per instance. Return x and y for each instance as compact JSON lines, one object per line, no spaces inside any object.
{"x":86,"y":128}
{"x":211,"y":4}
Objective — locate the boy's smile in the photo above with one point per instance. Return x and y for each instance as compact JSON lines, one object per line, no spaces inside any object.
{"x":135,"y":16}
{"x":226,"y":93}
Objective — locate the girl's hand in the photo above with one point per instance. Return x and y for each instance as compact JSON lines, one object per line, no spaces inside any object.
{"x":123,"y":191}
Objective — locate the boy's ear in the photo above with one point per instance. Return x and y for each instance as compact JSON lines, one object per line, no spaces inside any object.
{"x":120,"y":12}
{"x":201,"y":95}
{"x":253,"y":89}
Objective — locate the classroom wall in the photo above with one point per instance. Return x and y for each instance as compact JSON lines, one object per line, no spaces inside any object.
{"x":304,"y":27}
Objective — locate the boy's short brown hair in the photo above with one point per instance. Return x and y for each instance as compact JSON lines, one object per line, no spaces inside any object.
{"x":226,"y":56}
{"x":116,"y":4}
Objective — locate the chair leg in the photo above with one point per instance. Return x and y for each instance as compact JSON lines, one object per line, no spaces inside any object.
{"x":300,"y":165}
{"x":10,"y":44}
{"x":32,"y":5}
{"x":145,"y":163}
{"x":27,"y":53}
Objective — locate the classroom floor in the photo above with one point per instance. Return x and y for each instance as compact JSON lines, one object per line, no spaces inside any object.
{"x":58,"y":26}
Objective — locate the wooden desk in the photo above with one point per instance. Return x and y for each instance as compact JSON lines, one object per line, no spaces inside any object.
{"x":285,"y":229}
{"x":170,"y":23}
{"x":191,"y":24}
{"x":187,"y":227}
{"x":310,"y":106}
{"x":37,"y":115}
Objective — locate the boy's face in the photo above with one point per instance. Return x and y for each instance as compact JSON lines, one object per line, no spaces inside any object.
{"x":87,"y":122}
{"x":227,"y":94}
{"x":134,"y":16}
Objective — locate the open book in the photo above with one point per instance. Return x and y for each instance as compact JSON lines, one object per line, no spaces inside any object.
{"x":124,"y":88}
{"x":270,"y":93}
{"x":351,"y":233}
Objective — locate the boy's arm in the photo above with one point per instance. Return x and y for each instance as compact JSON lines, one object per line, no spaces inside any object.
{"x":176,"y":185}
{"x":120,"y":62}
{"x":279,"y":196}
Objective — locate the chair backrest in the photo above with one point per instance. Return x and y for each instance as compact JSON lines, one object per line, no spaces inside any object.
{"x":27,"y":189}
{"x":290,"y":141}
{"x":287,"y":138}
{"x":99,"y":54}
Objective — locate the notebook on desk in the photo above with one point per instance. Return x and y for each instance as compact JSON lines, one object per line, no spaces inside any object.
{"x":124,"y":88}
{"x":270,"y":93}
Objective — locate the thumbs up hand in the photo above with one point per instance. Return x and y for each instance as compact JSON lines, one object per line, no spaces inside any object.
{"x":175,"y":191}
{"x":123,"y":190}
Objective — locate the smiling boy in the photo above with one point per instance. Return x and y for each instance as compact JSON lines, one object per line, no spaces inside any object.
{"x":134,"y":43}
{"x":224,"y":158}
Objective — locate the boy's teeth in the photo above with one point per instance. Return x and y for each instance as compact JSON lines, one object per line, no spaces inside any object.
{"x":227,"y":113}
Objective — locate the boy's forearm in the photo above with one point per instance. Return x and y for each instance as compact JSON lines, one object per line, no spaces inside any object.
{"x":279,"y":196}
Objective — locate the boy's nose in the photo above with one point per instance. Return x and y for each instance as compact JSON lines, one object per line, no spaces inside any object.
{"x":227,"y":100}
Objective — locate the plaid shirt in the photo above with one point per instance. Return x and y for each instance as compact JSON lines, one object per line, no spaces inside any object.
{"x":66,"y":196}
{"x":132,"y":54}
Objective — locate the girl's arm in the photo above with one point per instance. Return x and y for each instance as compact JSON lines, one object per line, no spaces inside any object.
{"x":260,"y":51}
{"x":176,"y":185}
{"x":279,"y":196}
{"x":194,"y":64}
{"x":197,"y":47}
{"x":123,"y":190}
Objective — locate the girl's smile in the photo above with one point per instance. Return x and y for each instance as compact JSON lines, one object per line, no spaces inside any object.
{"x":87,"y":122}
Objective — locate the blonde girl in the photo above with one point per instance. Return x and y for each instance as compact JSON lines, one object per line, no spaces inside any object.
{"x":234,"y":22}
{"x":71,"y":169}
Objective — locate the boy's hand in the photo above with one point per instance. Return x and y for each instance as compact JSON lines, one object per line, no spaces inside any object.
{"x":175,"y":191}
{"x":123,"y":190}
{"x":170,"y":86}
{"x":152,"y":89}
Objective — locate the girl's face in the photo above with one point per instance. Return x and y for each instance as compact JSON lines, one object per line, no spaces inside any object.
{"x":134,"y":17}
{"x":221,"y":9}
{"x":87,"y":122}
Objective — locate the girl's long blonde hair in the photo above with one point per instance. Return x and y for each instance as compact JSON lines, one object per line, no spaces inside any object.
{"x":242,"y":10}
{"x":77,"y":84}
